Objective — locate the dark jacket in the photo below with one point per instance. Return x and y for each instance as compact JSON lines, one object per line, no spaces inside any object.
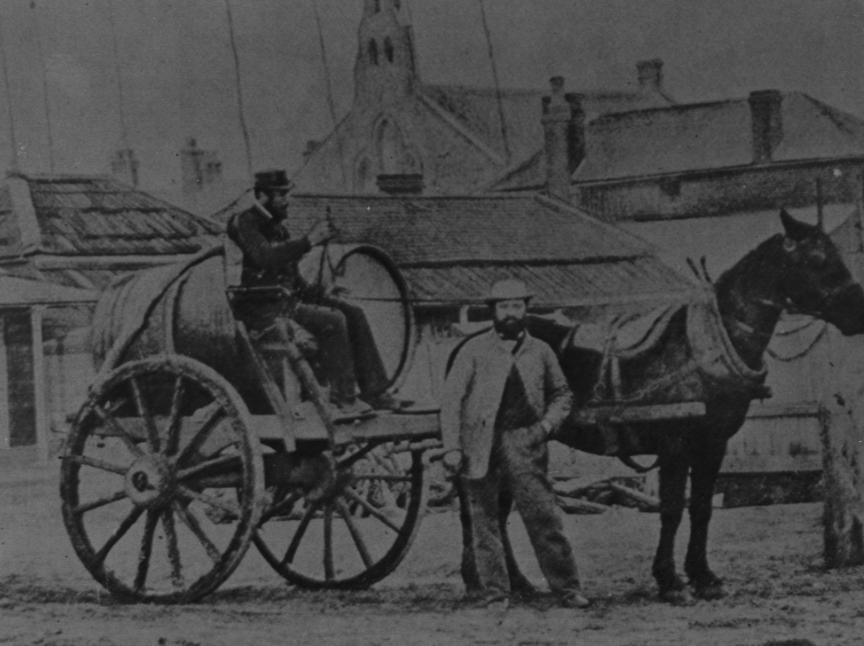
{"x":270,"y":256}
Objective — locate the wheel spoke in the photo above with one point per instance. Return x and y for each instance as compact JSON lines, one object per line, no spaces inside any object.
{"x":144,"y":411}
{"x":189,"y":519}
{"x":99,"y":502}
{"x":328,"y":543}
{"x":347,"y":461}
{"x":117,"y":428}
{"x":385,"y":477}
{"x":222,"y":460}
{"x":96,"y":463}
{"x":173,"y":549}
{"x":225,"y":506}
{"x":276,"y":509}
{"x":146,"y":549}
{"x":213,"y":416}
{"x":372,"y":510}
{"x":298,"y":535}
{"x":355,"y":534}
{"x":119,"y":533}
{"x":172,"y":440}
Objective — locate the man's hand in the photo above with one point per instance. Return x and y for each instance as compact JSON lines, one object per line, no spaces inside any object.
{"x":453,"y":461}
{"x":322,"y":232}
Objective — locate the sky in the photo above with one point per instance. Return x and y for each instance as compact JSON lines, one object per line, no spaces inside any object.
{"x":176,"y":71}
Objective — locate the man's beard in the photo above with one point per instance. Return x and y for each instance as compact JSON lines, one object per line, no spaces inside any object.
{"x":510,"y":328}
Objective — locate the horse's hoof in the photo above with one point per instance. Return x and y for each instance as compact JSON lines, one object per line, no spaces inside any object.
{"x":710,"y":592}
{"x":680,"y":597}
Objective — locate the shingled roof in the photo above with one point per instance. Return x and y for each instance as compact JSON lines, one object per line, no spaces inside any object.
{"x":61,"y":217}
{"x":697,"y":137}
{"x":450,"y":249}
{"x":92,"y":215}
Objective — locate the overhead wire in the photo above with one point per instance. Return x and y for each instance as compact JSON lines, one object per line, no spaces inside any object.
{"x":505,"y":137}
{"x":241,"y":113}
{"x":46,"y":96}
{"x":15,"y":161}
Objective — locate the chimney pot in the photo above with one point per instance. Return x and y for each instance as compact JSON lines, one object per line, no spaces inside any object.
{"x":766,"y":117}
{"x":564,"y":137}
{"x":650,"y":73}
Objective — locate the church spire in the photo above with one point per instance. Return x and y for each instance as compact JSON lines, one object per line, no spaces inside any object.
{"x":385,"y":69}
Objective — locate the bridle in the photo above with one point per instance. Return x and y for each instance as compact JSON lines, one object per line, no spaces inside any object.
{"x":790,"y":307}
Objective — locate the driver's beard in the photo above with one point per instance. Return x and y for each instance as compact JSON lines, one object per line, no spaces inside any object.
{"x":510,"y":328}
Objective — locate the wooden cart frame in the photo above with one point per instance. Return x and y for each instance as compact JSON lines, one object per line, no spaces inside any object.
{"x":167,"y":478}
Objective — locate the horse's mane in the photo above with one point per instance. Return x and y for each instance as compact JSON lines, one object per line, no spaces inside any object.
{"x":747,"y":264}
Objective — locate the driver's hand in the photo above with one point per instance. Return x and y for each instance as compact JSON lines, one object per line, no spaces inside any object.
{"x":322,"y":232}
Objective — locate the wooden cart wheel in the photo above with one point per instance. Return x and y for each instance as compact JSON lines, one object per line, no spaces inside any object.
{"x":149,"y":476}
{"x":354,"y":530}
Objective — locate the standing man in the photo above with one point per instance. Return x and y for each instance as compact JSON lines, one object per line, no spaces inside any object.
{"x":503,"y":397}
{"x":348,"y":355}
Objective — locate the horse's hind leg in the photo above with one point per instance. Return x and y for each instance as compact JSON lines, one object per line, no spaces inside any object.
{"x":706,"y":459}
{"x":673,"y":478}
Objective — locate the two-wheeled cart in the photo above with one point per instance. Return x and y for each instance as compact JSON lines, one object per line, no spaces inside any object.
{"x":198,"y":439}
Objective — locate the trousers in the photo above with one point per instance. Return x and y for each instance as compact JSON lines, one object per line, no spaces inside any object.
{"x":347,"y":353}
{"x":519,"y":463}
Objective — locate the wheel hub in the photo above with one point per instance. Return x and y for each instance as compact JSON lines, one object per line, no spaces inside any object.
{"x":149,"y":481}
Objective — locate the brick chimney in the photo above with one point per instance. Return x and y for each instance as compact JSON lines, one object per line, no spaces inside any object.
{"x":124,"y":166}
{"x":649,"y":73}
{"x":766,"y":116}
{"x":402,"y":184}
{"x":564,"y":138}
{"x":199,"y":168}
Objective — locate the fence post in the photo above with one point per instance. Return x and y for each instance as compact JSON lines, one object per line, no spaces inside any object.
{"x":843,"y":479}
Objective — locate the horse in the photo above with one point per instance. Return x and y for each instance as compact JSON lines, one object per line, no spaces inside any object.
{"x":799,"y":270}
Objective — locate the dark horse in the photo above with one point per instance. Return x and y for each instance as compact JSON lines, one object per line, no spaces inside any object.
{"x":801,"y":271}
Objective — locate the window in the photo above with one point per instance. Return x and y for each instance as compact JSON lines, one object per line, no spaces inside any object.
{"x":388,"y":49}
{"x":373,"y":52}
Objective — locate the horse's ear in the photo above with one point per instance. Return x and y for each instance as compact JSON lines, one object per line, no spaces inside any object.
{"x":795,"y":229}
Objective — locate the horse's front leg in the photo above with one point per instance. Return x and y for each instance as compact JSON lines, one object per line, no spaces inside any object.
{"x":673,"y":478}
{"x":706,"y":461}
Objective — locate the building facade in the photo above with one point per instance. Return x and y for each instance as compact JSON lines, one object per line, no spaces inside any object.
{"x":63,"y":238}
{"x":458,"y":138}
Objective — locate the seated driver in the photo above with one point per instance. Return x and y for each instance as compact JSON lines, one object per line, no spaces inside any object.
{"x":347,"y":351}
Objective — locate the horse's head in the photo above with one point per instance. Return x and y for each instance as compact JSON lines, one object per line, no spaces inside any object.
{"x":816,"y":281}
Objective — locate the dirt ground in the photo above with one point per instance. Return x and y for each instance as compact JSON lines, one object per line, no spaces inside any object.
{"x":770,"y":557}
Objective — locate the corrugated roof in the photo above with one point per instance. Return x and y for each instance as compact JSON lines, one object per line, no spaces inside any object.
{"x":710,"y":136}
{"x":451,"y":248}
{"x":90,"y":215}
{"x":566,"y":284}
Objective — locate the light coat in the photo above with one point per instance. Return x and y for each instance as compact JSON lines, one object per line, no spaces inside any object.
{"x":472,"y":393}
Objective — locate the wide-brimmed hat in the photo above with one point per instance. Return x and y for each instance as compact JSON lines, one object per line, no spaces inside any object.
{"x":508,"y":289}
{"x":272,"y":180}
